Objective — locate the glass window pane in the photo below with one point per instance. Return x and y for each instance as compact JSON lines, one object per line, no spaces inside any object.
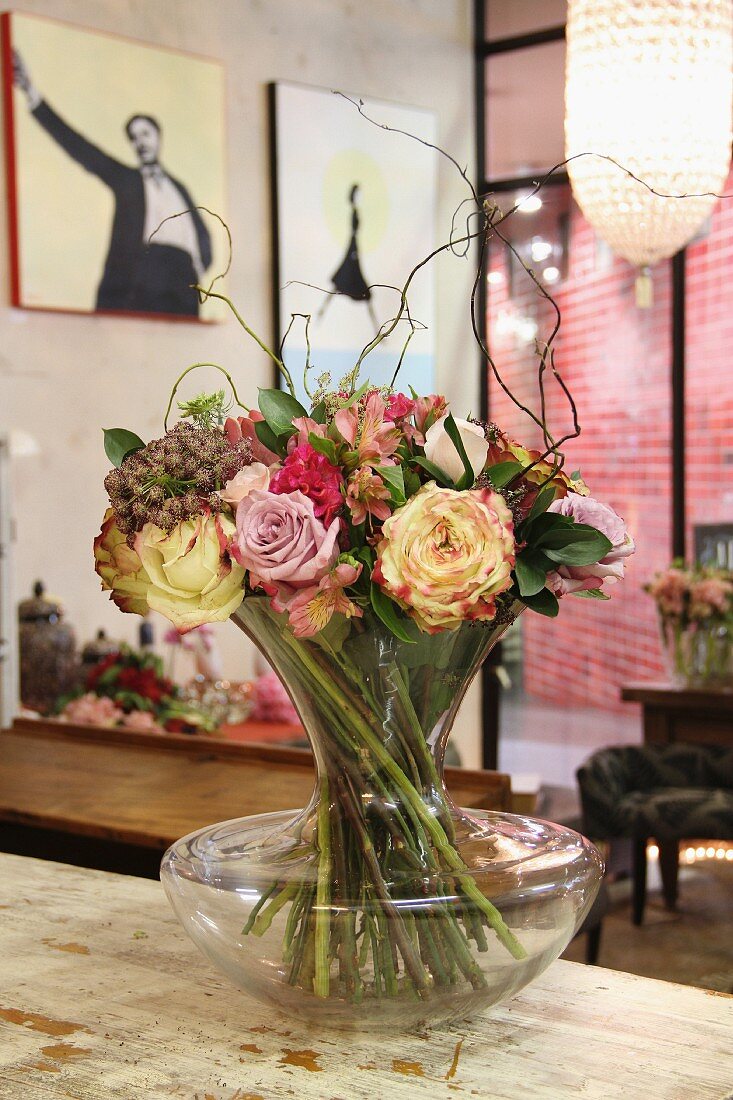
{"x":524,"y":128}
{"x":567,"y":672}
{"x":507,"y":18}
{"x":708,"y":385}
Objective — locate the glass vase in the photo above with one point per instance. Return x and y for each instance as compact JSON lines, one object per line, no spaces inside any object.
{"x":698,"y":655}
{"x":381,"y":903}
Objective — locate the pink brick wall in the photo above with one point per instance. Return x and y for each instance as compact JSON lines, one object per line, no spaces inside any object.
{"x":616,"y":361}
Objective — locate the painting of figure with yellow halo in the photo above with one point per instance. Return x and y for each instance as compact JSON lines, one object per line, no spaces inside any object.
{"x":114,"y":146}
{"x":355,"y":211}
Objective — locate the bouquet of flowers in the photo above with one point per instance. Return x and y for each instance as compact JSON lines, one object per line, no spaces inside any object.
{"x":695,"y":608}
{"x":128,"y":689}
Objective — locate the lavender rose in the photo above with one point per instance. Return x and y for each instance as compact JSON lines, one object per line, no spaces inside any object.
{"x":282,"y":542}
{"x":585,"y":578}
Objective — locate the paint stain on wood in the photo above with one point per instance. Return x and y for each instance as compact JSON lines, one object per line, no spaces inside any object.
{"x":407,"y":1069}
{"x":454,"y":1064}
{"x":367,"y":1065}
{"x":251,"y":1048}
{"x":65,"y":1052}
{"x":73,"y":948}
{"x":262,"y":1029}
{"x":718,"y":993}
{"x":45,"y":1067}
{"x":305,"y":1059}
{"x":36,"y":1022}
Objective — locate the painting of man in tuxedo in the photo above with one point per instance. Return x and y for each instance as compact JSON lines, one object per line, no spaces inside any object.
{"x":155,"y":258}
{"x":106,"y":209}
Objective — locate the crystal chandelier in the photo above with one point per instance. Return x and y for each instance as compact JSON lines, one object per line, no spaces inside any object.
{"x":648,"y":82}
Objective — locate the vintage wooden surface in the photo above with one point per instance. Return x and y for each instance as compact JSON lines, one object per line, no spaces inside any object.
{"x":103,"y":996}
{"x":692,"y":715}
{"x":149,"y":790}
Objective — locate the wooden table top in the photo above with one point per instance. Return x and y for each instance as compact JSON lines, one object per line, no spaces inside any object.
{"x":149,"y":790}
{"x":682,"y":698}
{"x":104,"y":996}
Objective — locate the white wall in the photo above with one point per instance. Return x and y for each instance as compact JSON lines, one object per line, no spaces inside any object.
{"x":63,"y":377}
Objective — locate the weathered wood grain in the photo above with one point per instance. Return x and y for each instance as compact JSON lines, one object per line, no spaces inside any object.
{"x":150,"y":790}
{"x":102,"y":997}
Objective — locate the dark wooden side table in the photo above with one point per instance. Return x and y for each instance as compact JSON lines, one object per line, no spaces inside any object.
{"x":693,"y":715}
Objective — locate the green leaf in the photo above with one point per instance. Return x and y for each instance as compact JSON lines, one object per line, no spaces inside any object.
{"x":581,"y":545}
{"x":575,"y":476}
{"x":267,"y":437}
{"x":386,"y":610}
{"x":501,"y":474}
{"x":591,"y":594}
{"x":393,"y":479}
{"x":544,"y":603}
{"x":119,"y":443}
{"x":318,"y":413}
{"x":435,"y":471}
{"x":451,"y":430}
{"x":542,"y":502}
{"x":280,"y":409}
{"x":356,"y":395}
{"x":412,"y":481}
{"x":325,"y":447}
{"x":530,"y":574}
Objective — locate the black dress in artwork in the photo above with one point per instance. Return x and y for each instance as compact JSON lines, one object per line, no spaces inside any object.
{"x":348,"y":279}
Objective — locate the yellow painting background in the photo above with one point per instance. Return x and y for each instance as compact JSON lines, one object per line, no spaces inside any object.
{"x":96,"y":82}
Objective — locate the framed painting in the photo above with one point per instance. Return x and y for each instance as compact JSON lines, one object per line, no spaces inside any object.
{"x":354,"y":211}
{"x":111,"y":146}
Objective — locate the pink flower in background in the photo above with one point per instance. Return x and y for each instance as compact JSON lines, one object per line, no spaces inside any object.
{"x":243,"y":427}
{"x":710,"y":596}
{"x":367,"y":432}
{"x":585,"y":578}
{"x":313,"y":608}
{"x":670,"y":590}
{"x":272,"y":702}
{"x":256,"y":476}
{"x":367,"y":495}
{"x":92,"y":710}
{"x":309,"y":472}
{"x":283,"y":543}
{"x":141,"y":720}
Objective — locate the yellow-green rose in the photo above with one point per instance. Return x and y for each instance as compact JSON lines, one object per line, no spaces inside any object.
{"x":445,"y":556}
{"x":193,"y":579}
{"x":119,"y":568}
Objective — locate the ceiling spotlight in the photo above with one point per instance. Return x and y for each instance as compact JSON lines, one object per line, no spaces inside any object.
{"x":551,"y":274}
{"x":495,"y":278}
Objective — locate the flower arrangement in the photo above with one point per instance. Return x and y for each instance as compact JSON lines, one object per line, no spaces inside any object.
{"x":375,"y":546}
{"x":695,"y":608}
{"x":127,"y":688}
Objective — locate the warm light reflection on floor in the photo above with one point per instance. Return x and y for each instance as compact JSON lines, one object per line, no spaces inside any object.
{"x":694,"y":854}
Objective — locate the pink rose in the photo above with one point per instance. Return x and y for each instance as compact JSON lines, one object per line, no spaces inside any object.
{"x":583,"y":578}
{"x":283,"y":543}
{"x":256,"y":476}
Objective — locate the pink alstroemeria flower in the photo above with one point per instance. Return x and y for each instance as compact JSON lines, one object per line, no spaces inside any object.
{"x":306,"y":426}
{"x":377,"y":439}
{"x":243,"y":427}
{"x":367,"y":495}
{"x":313,"y":608}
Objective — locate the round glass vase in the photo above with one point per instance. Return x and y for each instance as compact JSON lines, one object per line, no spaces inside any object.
{"x":699,"y":654}
{"x":381,"y":904}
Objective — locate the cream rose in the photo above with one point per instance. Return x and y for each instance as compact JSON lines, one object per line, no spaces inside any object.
{"x":445,"y":555}
{"x":256,"y":476}
{"x":192,"y":577}
{"x":119,"y":568}
{"x":440,"y":448}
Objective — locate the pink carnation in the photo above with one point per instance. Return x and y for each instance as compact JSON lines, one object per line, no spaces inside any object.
{"x":309,"y":472}
{"x":141,"y":720}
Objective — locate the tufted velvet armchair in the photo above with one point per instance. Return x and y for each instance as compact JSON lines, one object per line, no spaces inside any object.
{"x":668,"y":792}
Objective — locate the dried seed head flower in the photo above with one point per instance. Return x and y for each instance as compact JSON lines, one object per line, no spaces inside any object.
{"x":170,"y":479}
